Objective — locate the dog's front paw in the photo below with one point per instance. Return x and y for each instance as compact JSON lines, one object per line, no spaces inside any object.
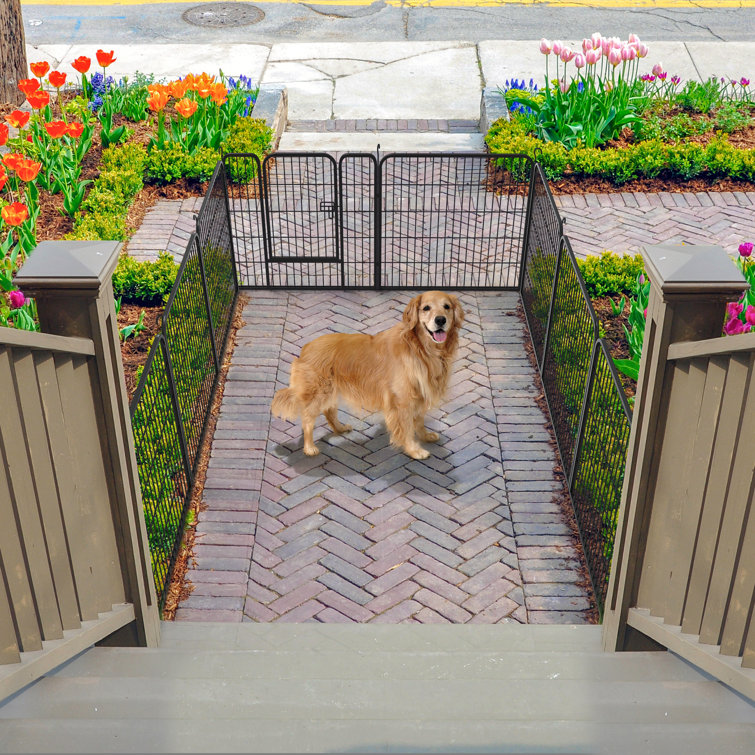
{"x":430,"y":437}
{"x":311,"y":450}
{"x":418,"y":453}
{"x":343,"y":429}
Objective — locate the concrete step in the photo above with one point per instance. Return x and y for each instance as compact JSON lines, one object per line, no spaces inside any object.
{"x":389,"y":141}
{"x":315,"y":688}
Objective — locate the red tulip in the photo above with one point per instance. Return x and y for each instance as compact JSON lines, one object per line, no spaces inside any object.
{"x":38,"y":100}
{"x":3,"y":134}
{"x":18,"y":118}
{"x":28,"y":170}
{"x":105,"y":58}
{"x":15,"y":214}
{"x":39,"y":69}
{"x":12,"y":160}
{"x":56,"y":129}
{"x":57,"y":79}
{"x":3,"y":181}
{"x":75,"y":130}
{"x":82,"y":63}
{"x":27,"y":86}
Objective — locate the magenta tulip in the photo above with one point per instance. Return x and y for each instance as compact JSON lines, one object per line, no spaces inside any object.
{"x":745,"y":249}
{"x":17,"y":299}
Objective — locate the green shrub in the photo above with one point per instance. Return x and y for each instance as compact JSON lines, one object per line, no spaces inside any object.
{"x":172,"y":161}
{"x":249,"y":135}
{"x":125,"y":157}
{"x":645,"y":159}
{"x":610,"y":273}
{"x":95,"y":226}
{"x":146,"y":283}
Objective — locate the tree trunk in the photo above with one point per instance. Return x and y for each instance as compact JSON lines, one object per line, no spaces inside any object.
{"x":12,"y":52}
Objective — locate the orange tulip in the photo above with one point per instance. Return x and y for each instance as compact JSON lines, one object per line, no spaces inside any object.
{"x":3,"y":134}
{"x":38,"y":100}
{"x":159,"y":88}
{"x":178,"y":88}
{"x":75,"y":130}
{"x":218,"y":93}
{"x":15,"y":214}
{"x":12,"y":160}
{"x":204,"y":90}
{"x":157,"y":101}
{"x":186,"y":107}
{"x":57,"y":79}
{"x":28,"y":170}
{"x":105,"y":58}
{"x":82,"y":63}
{"x":18,"y":118}
{"x":56,"y":129}
{"x":39,"y":69}
{"x":27,"y":86}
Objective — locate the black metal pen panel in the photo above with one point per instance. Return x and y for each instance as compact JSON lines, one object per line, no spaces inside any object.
{"x":599,"y":465}
{"x":359,"y":218}
{"x":452,"y":220}
{"x":542,"y":245}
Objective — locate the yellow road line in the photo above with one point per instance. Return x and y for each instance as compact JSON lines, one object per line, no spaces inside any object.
{"x":711,"y":4}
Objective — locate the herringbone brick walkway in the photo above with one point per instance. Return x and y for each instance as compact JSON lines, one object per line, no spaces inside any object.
{"x":363,"y":533}
{"x":623,"y":223}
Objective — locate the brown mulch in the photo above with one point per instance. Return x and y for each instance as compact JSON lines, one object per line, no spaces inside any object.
{"x":613,"y":332}
{"x":179,"y":589}
{"x":592,"y":185}
{"x":135,"y":349}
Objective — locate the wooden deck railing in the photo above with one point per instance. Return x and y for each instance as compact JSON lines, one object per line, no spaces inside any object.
{"x":683,"y":573}
{"x":74,"y":559}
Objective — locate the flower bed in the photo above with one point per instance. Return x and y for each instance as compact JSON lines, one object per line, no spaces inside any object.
{"x":599,"y":119}
{"x":90,"y":156}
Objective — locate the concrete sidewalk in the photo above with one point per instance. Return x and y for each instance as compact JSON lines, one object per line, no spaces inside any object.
{"x":389,"y":80}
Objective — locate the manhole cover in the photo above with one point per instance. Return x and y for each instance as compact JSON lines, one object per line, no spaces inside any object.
{"x":223,"y":14}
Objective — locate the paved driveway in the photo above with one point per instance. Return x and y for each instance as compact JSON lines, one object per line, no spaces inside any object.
{"x":363,"y":533}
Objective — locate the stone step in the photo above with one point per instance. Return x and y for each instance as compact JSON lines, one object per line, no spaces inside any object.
{"x":315,"y":688}
{"x":389,"y":141}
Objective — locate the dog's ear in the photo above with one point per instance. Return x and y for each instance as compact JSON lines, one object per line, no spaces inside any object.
{"x":458,"y":311}
{"x":411,"y":313}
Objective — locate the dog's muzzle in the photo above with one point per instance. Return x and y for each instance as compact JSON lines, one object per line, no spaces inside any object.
{"x":439,"y":336}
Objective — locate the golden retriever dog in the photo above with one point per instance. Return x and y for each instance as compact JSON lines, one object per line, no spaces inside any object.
{"x":402,"y":372}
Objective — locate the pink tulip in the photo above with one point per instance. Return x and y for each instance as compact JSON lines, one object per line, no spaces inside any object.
{"x":563,"y":86}
{"x":605,"y":45}
{"x":642,"y":50}
{"x":17,"y":299}
{"x":596,"y":40}
{"x":745,"y":249}
{"x":558,"y":45}
{"x":634,"y":39}
{"x":546,"y":46}
{"x":580,"y":60}
{"x":586,"y":44}
{"x":744,"y":82}
{"x":750,"y":315}
{"x":628,"y":53}
{"x":734,"y":309}
{"x":593,"y":56}
{"x":614,"y":56}
{"x":567,"y":54}
{"x":658,"y":69}
{"x":735,"y":327}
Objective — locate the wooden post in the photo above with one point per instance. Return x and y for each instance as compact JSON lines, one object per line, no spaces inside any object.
{"x":12,"y":52}
{"x":71,"y":283}
{"x":690,"y":286}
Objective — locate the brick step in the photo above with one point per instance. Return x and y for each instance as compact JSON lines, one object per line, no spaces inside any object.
{"x":386,"y":124}
{"x":389,"y":141}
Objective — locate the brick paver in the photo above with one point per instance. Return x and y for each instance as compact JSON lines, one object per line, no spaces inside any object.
{"x":363,"y":533}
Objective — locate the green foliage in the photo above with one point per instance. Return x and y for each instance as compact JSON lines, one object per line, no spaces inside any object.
{"x":645,"y":159}
{"x":171,"y":162}
{"x":700,"y":97}
{"x":635,"y":333}
{"x":249,"y":135}
{"x":731,"y":117}
{"x":147,"y":283}
{"x":610,"y":273}
{"x":96,"y":226}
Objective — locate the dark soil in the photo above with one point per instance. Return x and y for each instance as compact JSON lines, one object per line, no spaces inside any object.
{"x":612,"y":327}
{"x":135,"y":349}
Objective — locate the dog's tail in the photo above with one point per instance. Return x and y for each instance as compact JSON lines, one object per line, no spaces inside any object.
{"x":285,"y":404}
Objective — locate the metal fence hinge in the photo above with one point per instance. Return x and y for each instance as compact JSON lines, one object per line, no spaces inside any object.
{"x":328,"y":206}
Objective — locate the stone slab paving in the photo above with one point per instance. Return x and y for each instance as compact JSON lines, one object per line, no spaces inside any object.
{"x":622,"y":222}
{"x":363,"y":533}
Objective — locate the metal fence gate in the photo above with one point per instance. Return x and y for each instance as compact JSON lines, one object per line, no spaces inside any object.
{"x":404,"y":220}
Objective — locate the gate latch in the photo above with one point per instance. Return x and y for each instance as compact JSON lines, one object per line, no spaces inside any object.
{"x":327,"y":206}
